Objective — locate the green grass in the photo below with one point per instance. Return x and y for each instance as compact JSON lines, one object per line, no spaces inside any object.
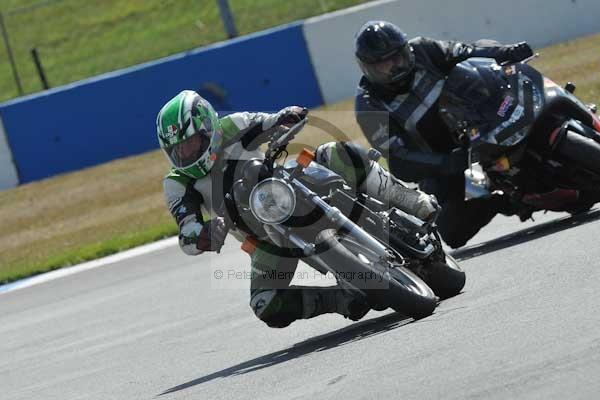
{"x":87,"y":252}
{"x":82,"y":38}
{"x":101,"y":210}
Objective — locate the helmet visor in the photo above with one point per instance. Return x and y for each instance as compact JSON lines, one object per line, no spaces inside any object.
{"x":392,"y":69}
{"x":188,"y":152}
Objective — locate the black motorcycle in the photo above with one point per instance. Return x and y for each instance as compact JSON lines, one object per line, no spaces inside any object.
{"x":304,"y":210}
{"x":533,"y":139}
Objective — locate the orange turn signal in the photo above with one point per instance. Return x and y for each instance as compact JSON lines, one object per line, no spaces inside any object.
{"x":305,"y":157}
{"x":250,"y":244}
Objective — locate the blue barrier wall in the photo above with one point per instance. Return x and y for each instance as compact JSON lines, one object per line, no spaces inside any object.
{"x":113,"y":116}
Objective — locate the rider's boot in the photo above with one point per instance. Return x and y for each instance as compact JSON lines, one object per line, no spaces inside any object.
{"x":383,"y":186}
{"x":323,"y":300}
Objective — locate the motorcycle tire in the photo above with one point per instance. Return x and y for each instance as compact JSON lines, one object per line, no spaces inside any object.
{"x":447,"y":279}
{"x":396,"y":287}
{"x":581,"y":149}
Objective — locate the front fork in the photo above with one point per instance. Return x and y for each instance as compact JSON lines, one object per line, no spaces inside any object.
{"x":382,"y":254}
{"x":339,"y":221}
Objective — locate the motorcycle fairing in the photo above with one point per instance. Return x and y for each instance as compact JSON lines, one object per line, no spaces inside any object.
{"x":317,"y":175}
{"x":496,"y":105}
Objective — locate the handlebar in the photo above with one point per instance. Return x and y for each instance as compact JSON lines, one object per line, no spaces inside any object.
{"x":282,"y":137}
{"x":525,"y":61}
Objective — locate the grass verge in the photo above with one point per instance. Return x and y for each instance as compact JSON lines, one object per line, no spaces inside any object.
{"x":77,"y":39}
{"x":102,"y":210}
{"x":87,"y":252}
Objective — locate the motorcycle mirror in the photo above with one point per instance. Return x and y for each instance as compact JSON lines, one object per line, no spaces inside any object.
{"x":533,"y":57}
{"x":525,"y":61}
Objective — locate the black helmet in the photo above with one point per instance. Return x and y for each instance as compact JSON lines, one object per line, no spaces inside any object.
{"x":384,"y":54}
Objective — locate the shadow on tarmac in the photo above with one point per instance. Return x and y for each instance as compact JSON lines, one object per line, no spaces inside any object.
{"x":525,"y":235}
{"x":372,"y":327}
{"x":340,"y":337}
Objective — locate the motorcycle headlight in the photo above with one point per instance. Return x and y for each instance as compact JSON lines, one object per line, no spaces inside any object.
{"x":272,"y":201}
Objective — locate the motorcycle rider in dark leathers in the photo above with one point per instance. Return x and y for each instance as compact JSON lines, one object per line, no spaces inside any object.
{"x":397,"y":109}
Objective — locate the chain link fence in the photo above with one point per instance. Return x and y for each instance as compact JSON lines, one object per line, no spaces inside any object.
{"x":75,"y":39}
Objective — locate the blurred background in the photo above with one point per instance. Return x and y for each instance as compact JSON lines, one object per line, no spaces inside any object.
{"x":76,"y":39}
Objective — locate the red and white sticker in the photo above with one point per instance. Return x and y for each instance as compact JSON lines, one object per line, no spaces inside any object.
{"x":505,"y":106}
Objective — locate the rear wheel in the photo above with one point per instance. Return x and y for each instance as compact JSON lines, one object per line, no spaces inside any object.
{"x":396,"y":287}
{"x":583,"y":150}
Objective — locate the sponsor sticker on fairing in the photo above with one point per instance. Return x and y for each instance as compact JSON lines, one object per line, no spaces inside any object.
{"x":549,"y":83}
{"x":505,"y":106}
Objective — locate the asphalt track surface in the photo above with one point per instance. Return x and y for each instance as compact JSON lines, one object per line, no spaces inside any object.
{"x":160,"y":326}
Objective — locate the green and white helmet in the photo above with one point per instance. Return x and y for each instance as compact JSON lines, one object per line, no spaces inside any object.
{"x":189,"y":133}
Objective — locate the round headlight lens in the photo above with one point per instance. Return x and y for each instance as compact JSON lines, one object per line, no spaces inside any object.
{"x":272,"y":201}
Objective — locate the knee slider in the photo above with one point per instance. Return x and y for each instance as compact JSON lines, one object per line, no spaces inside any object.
{"x":354,"y":155}
{"x":277,"y":307}
{"x":323,"y":153}
{"x":351,"y":154}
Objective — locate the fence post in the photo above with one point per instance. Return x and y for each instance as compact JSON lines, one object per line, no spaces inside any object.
{"x":10,"y":54}
{"x":227,"y":17}
{"x":40,"y":70}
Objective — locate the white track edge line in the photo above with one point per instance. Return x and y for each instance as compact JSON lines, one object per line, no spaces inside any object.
{"x":114,"y":258}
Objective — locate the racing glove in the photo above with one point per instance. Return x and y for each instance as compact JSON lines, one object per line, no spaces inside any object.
{"x":291,"y":115}
{"x":511,"y":53}
{"x":212,"y":236}
{"x":518,"y":52}
{"x":287,"y":117}
{"x":261,"y":133}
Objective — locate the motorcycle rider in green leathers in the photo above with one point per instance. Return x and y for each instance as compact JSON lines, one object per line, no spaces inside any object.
{"x":192,"y":136}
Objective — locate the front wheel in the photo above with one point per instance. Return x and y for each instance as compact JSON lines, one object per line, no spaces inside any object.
{"x":396,"y":287}
{"x":446,"y":279}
